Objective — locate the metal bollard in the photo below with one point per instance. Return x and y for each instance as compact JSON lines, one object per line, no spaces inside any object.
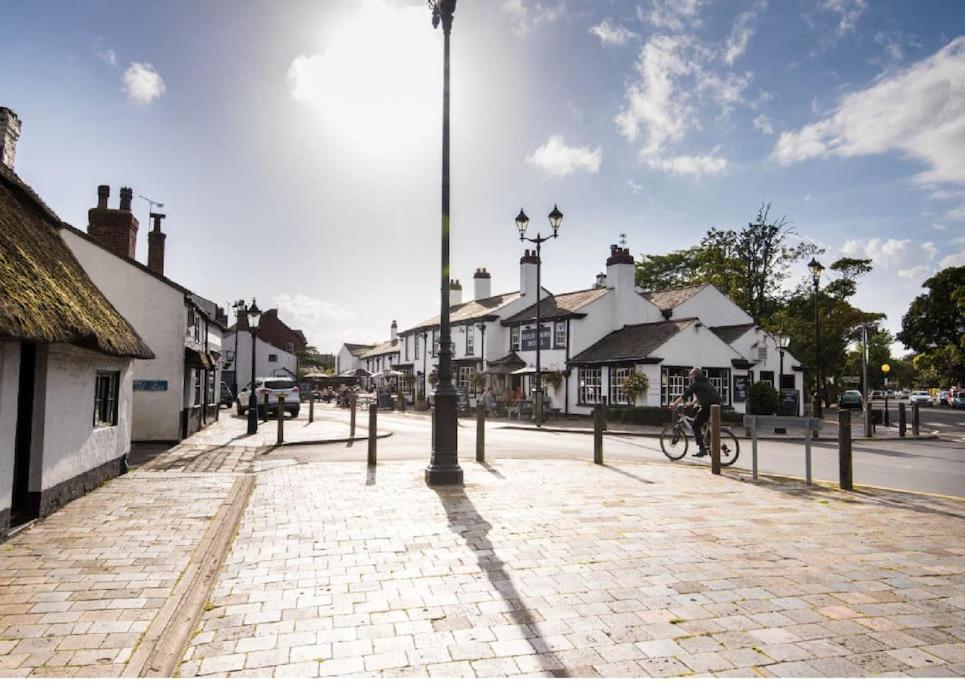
{"x":480,"y":432}
{"x":281,"y":419}
{"x":887,"y":417}
{"x":311,"y":407}
{"x":373,"y":426}
{"x":902,"y":420}
{"x":715,"y":439}
{"x":598,"y":427}
{"x":915,"y":420}
{"x":603,"y":418}
{"x":353,"y":401}
{"x":266,"y":408}
{"x":844,"y":449}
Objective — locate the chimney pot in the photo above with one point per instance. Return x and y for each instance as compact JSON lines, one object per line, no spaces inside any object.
{"x":127,"y":194}
{"x":155,"y":245}
{"x":9,"y":134}
{"x":103,"y":192}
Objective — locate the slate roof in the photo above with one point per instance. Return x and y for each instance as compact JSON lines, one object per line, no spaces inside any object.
{"x":382,"y":349}
{"x":559,"y":306}
{"x":45,"y":294}
{"x":512,"y":358}
{"x":468,"y":312}
{"x":358,"y":350}
{"x":632,"y":342}
{"x":731,"y":333}
{"x":669,"y":299}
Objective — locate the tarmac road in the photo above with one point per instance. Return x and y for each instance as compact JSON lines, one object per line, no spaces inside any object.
{"x":930,"y":466}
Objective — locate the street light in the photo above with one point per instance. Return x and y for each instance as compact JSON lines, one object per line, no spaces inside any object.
{"x":522,"y":222}
{"x":816,"y":269}
{"x":253,"y":315}
{"x":885,"y":369}
{"x":444,"y":466}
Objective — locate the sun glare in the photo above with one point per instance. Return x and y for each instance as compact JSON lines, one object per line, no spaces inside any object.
{"x":377,"y":81}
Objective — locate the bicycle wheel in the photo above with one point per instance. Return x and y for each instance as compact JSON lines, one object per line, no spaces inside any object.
{"x":729,"y":447}
{"x":673,"y":442}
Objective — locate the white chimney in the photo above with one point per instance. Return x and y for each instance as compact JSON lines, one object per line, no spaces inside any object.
{"x":482,"y":284}
{"x":600,"y":281}
{"x":394,"y":331}
{"x":455,"y":293}
{"x":528,"y":264}
{"x":621,"y":277}
{"x":9,"y":134}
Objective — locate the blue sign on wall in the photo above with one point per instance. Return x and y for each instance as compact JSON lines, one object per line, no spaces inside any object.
{"x":150,"y":385}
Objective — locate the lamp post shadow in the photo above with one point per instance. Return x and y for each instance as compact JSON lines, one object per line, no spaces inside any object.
{"x":465,"y":520}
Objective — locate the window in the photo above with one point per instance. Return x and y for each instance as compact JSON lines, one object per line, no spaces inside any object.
{"x":272,"y":357}
{"x":559,"y":334}
{"x":197,"y":387}
{"x":106,"y":386}
{"x":762,"y":351}
{"x":673,"y":381}
{"x":464,"y":371}
{"x":617,"y":377}
{"x":470,"y":341}
{"x":514,"y":338}
{"x":417,"y":348}
{"x":767,"y":377}
{"x":210,"y":396}
{"x":435,"y":344}
{"x":720,"y":380}
{"x":590,"y":385}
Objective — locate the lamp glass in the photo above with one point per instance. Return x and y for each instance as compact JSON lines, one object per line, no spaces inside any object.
{"x":783,"y":341}
{"x":555,"y":218}
{"x":254,"y":314}
{"x":815,"y":267}
{"x":522,"y":222}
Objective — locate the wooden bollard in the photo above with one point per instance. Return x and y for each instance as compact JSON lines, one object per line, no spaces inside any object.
{"x":902,"y":420}
{"x":373,"y":425}
{"x":480,"y":432}
{"x":715,"y":439}
{"x":281,"y":419}
{"x":598,"y":426}
{"x":915,"y":420}
{"x":844,"y":449}
{"x":353,"y":401}
{"x":311,"y":406}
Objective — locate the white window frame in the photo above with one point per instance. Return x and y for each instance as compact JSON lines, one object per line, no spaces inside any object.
{"x":470,"y":341}
{"x":673,"y":383}
{"x":719,"y":378}
{"x":618,"y":375}
{"x":559,"y":334}
{"x":514,"y":338}
{"x":591,"y":385}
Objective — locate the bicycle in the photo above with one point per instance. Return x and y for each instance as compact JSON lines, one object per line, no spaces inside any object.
{"x":674,"y":441}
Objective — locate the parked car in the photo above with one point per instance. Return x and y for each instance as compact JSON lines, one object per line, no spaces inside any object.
{"x":227,"y":398}
{"x":922,"y":397}
{"x":272,"y":387}
{"x":959,"y":401}
{"x":902,"y":393}
{"x":851,"y":399}
{"x":877,"y":394}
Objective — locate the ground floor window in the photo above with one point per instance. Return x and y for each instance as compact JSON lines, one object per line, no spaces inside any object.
{"x":719,"y":378}
{"x":210,"y":374}
{"x":106,"y":387}
{"x":463,"y":379}
{"x":618,"y":395}
{"x":673,"y":382}
{"x":767,"y":377}
{"x":590,"y":385}
{"x":197,"y":387}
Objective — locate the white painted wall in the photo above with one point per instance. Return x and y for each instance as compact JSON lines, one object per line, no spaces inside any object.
{"x":345,"y":361}
{"x":70,"y":445}
{"x":9,"y":387}
{"x":263,"y":367}
{"x":157,"y":312}
{"x":713,"y":308}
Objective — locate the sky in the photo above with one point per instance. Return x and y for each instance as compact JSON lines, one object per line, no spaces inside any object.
{"x":296,"y":145}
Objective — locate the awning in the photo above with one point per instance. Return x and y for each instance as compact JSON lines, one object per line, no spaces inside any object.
{"x":531,"y":370}
{"x":197,"y":359}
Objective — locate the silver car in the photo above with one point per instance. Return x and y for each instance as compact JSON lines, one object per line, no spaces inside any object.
{"x":273,"y":388}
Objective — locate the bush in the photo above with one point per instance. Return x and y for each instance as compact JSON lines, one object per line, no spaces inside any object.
{"x":762,"y":399}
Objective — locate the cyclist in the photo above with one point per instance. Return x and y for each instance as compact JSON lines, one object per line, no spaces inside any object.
{"x":700,"y":391}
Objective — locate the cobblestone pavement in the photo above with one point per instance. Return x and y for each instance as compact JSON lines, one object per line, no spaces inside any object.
{"x":79,"y":589}
{"x":573,"y":569}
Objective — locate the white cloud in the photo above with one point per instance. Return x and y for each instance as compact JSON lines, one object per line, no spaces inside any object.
{"x":919,"y":111}
{"x":693,"y":166}
{"x":947,"y":194}
{"x":848,"y":12}
{"x":903,"y":256}
{"x":142,"y":83}
{"x":953,"y":260}
{"x":634,"y":186}
{"x":611,"y":33}
{"x":323,"y":322}
{"x":671,"y":15}
{"x":741,"y":33}
{"x":957,"y":214}
{"x":555,"y":158}
{"x":762,"y":122}
{"x":915,"y":272}
{"x":108,"y":56}
{"x":526,"y":14}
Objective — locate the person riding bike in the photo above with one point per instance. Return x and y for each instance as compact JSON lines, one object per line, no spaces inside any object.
{"x":700,"y":391}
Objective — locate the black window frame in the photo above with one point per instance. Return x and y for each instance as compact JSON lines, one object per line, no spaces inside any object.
{"x":107,"y":388}
{"x":272,"y":357}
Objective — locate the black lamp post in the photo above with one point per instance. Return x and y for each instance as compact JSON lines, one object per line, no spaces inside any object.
{"x":782,"y":343}
{"x":816,"y":269}
{"x":253,"y":314}
{"x":522,"y":222}
{"x":444,"y":466}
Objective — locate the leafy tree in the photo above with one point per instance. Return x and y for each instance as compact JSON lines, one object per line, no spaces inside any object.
{"x":934,"y":327}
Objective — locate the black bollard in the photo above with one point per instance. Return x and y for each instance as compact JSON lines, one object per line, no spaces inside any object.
{"x":353,"y":401}
{"x":598,"y":427}
{"x":281,"y":419}
{"x":480,"y":432}
{"x":915,"y":420}
{"x":373,"y":425}
{"x":902,"y":420}
{"x":715,"y":439}
{"x":844,"y":449}
{"x":311,"y":407}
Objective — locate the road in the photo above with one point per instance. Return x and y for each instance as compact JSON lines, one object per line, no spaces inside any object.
{"x":929,"y":466}
{"x":947,"y":422}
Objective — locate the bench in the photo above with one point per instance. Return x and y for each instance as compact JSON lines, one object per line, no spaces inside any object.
{"x":771,"y":423}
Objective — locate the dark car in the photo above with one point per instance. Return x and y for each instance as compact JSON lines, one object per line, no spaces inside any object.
{"x":851,"y":399}
{"x":227,"y":398}
{"x":959,"y":401}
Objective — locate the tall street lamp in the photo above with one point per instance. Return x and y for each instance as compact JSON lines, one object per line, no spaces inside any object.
{"x":522,"y":222}
{"x":816,"y":269}
{"x":253,"y":314}
{"x":444,"y":466}
{"x":885,"y":369}
{"x":783,"y":341}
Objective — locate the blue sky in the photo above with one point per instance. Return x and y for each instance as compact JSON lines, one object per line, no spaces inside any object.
{"x":296,"y":144}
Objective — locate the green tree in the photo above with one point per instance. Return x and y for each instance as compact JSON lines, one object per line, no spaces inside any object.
{"x":934,"y":328}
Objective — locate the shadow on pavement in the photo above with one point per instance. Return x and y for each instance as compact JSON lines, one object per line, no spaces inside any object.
{"x":492,"y":470}
{"x":627,"y":474}
{"x":464,"y":519}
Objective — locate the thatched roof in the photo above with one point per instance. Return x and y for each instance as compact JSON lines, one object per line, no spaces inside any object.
{"x":45,"y":295}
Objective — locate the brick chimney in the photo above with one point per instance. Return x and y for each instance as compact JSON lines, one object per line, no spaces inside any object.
{"x":394,"y":331}
{"x":455,"y":292}
{"x":155,"y":245}
{"x":9,"y":134}
{"x":482,"y":284}
{"x":115,"y":229}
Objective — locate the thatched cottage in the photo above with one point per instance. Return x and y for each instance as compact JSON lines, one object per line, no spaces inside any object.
{"x":66,"y":360}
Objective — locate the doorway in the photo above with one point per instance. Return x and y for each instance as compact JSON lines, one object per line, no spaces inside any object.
{"x":23,"y":505}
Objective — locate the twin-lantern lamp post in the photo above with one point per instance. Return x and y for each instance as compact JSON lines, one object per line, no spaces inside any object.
{"x":816,"y":269}
{"x":253,"y":315}
{"x":522,"y":222}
